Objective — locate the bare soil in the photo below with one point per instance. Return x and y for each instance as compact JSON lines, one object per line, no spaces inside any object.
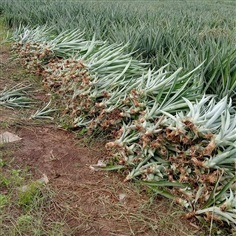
{"x":90,"y":202}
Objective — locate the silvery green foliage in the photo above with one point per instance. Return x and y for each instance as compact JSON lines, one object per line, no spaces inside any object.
{"x":15,"y":97}
{"x":44,"y":112}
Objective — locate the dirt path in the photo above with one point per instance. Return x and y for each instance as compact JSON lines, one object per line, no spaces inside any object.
{"x":89,"y":202}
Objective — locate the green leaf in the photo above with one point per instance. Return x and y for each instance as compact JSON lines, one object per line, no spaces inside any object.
{"x":163,"y":193}
{"x":214,"y":198}
{"x":164,"y":184}
{"x":108,"y":168}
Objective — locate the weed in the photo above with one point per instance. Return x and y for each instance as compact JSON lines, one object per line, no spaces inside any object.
{"x":3,"y":200}
{"x":4,"y":182}
{"x":29,"y":194}
{"x":4,"y":124}
{"x":2,"y":163}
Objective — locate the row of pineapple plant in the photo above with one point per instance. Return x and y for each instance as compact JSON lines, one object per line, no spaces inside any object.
{"x":166,"y":134}
{"x":183,"y":36}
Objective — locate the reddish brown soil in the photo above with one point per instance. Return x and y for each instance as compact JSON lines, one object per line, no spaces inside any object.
{"x":89,"y":200}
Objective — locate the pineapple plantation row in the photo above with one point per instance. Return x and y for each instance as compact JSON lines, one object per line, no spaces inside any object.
{"x":155,"y":32}
{"x":173,"y":129}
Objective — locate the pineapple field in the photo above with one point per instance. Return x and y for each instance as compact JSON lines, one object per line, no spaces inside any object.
{"x":158,"y":78}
